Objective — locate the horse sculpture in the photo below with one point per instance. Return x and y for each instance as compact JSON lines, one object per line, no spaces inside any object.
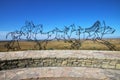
{"x":105,"y":30}
{"x":28,"y":29}
{"x":16,"y":35}
{"x":37,"y":30}
{"x":79,"y":31}
{"x":70,"y":34}
{"x":92,"y":31}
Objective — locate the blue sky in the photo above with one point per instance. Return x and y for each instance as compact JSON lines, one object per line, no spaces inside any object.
{"x":58,"y":13}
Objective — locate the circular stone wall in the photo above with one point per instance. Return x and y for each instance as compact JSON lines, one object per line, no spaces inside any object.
{"x":84,"y":64}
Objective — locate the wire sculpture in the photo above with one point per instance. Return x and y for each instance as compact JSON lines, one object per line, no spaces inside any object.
{"x":92,"y":31}
{"x":28,"y":30}
{"x":71,"y":34}
{"x":105,"y":30}
{"x":16,"y":35}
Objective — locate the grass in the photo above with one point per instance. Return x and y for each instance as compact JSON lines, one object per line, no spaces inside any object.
{"x":60,"y":45}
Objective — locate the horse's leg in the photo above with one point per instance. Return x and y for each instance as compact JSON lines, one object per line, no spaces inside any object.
{"x":94,"y":38}
{"x":35,"y":36}
{"x":27,"y":36}
{"x":102,"y":36}
{"x":12,"y":44}
{"x":19,"y":37}
{"x":98,"y":37}
{"x":79,"y":37}
{"x":18,"y":44}
{"x":8,"y":46}
{"x":46,"y":42}
{"x":88,"y":35}
{"x":84,"y":35}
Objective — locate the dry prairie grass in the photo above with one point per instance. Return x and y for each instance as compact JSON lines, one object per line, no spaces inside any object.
{"x":61,"y":45}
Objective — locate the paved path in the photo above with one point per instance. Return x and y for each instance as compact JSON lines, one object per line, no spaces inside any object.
{"x":60,"y":54}
{"x":61,"y":78}
{"x":82,"y":73}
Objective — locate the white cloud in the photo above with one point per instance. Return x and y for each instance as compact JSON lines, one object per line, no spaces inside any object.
{"x":3,"y":35}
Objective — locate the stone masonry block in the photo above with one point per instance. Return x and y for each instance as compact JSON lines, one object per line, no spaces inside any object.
{"x":113,"y":62}
{"x":117,"y":66}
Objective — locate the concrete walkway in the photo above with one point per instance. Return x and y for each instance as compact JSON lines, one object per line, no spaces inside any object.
{"x":60,"y":54}
{"x":83,"y":73}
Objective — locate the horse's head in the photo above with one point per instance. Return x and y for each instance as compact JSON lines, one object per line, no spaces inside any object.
{"x":29,"y":24}
{"x":56,"y":29}
{"x":109,"y":30}
{"x":72,"y":27}
{"x":79,"y":30}
{"x":66,"y":29}
{"x":40,"y":28}
{"x":21,"y":32}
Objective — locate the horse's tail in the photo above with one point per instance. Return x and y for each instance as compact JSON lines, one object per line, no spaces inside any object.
{"x":8,"y":35}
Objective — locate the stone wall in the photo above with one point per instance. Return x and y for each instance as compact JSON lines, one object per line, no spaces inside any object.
{"x":60,"y":62}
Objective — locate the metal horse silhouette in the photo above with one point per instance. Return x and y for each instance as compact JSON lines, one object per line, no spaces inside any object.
{"x":71,"y":34}
{"x":92,"y":31}
{"x":16,"y":36}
